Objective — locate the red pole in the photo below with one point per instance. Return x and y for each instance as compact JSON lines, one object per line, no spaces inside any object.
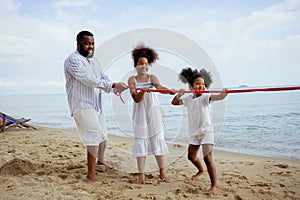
{"x":230,"y":91}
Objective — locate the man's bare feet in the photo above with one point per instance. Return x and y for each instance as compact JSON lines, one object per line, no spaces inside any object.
{"x":199,"y":173}
{"x":141,"y":179}
{"x":92,"y":178}
{"x":212,"y":191}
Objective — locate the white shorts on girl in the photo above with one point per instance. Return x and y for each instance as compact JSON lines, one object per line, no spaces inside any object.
{"x":90,"y":126}
{"x":200,"y":139}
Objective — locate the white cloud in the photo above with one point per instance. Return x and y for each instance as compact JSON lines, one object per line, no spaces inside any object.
{"x":31,"y":87}
{"x":8,"y":6}
{"x":246,"y":33}
{"x":251,"y":48}
{"x":72,"y":3}
{"x":8,"y":84}
{"x":33,"y":48}
{"x":52,"y":83}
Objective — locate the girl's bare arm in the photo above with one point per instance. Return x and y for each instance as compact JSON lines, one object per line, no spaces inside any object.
{"x":220,"y":96}
{"x":154,"y":80}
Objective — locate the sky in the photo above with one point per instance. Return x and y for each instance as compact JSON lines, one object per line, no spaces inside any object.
{"x":255,"y":43}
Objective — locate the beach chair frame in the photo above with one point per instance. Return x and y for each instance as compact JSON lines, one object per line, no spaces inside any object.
{"x":8,"y":122}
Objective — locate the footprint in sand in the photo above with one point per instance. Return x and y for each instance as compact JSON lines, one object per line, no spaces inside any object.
{"x":63,"y":176}
{"x":282,"y":165}
{"x":281,"y":173}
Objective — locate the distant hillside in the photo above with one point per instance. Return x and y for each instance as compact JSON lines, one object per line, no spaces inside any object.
{"x":243,"y":86}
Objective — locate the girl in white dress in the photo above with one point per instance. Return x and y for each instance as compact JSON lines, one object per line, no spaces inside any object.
{"x":200,"y":126}
{"x":147,"y":117}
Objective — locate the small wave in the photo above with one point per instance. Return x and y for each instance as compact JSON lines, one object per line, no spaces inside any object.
{"x":293,"y":114}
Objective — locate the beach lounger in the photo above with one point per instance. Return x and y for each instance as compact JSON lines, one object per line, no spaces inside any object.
{"x":7,"y":122}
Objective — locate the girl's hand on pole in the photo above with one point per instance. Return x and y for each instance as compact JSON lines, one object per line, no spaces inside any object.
{"x":181,"y":92}
{"x":225,"y":91}
{"x":145,"y":89}
{"x":172,"y":91}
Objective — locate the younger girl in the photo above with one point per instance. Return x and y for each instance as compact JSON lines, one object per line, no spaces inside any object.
{"x":147,"y":117}
{"x":200,"y":126}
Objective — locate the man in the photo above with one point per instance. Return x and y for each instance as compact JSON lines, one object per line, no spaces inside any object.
{"x":84,"y":83}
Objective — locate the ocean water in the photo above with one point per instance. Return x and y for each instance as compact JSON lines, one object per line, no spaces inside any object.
{"x":262,"y":123}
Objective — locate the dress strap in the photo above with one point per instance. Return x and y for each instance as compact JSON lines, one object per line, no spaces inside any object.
{"x":149,"y":81}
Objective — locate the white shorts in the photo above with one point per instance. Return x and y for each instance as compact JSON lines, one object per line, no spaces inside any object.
{"x":90,"y":126}
{"x":207,"y":138}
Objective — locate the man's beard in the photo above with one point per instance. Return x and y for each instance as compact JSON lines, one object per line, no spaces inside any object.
{"x":90,"y":55}
{"x":85,"y":53}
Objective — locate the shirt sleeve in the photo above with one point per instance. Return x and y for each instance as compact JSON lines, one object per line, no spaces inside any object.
{"x":76,"y":67}
{"x":206,"y":98}
{"x":185,"y":100}
{"x":105,"y":84}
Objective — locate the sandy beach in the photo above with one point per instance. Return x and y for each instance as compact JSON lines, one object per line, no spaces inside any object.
{"x":51,"y":164}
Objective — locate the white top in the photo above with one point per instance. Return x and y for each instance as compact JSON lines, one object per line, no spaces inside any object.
{"x":84,"y":82}
{"x":198,"y":114}
{"x":148,"y":125}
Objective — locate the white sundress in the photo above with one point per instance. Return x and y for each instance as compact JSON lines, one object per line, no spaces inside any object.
{"x":148,"y":125}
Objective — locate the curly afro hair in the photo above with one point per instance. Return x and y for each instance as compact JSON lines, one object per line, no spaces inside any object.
{"x":188,"y":75}
{"x":141,"y":51}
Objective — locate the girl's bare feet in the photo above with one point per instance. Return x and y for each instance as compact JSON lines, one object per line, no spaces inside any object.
{"x":102,"y":163}
{"x":141,"y":179}
{"x":199,"y":173}
{"x":212,"y":191}
{"x":163,"y":176}
{"x":105,"y":165}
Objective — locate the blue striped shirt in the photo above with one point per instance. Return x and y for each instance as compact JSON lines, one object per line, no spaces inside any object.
{"x":84,"y":82}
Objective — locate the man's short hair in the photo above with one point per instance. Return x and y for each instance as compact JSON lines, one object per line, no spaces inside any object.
{"x":81,"y":34}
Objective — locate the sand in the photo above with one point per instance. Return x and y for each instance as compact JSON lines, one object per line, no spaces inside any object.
{"x":51,"y":164}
